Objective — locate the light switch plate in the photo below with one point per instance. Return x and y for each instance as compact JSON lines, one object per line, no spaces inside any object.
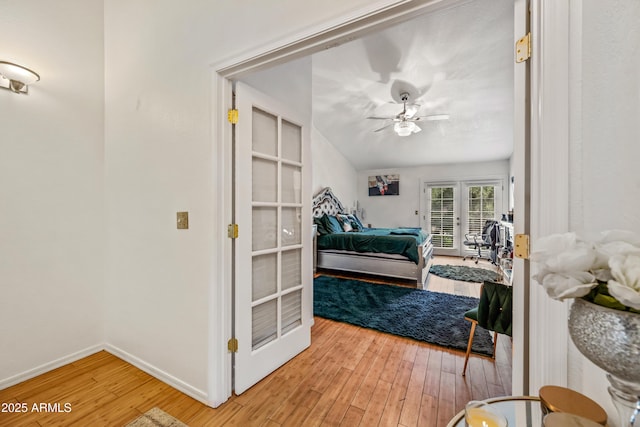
{"x":182,"y":220}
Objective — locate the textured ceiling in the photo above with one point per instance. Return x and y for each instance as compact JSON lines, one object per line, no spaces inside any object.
{"x":457,"y":61}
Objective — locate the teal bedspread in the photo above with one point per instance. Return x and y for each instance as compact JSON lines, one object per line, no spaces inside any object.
{"x":402,"y":241}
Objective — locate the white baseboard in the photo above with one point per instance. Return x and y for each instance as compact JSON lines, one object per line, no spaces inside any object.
{"x":161,"y":375}
{"x":187,"y":389}
{"x":49,"y":366}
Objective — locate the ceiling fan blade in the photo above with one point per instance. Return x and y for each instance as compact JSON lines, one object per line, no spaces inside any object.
{"x":383,"y":127}
{"x":432,"y":117}
{"x":381,"y":118}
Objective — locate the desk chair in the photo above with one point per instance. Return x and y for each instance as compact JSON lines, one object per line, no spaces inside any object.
{"x":493,"y":313}
{"x":488,"y":239}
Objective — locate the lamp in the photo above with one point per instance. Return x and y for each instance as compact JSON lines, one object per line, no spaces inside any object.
{"x":16,"y":78}
{"x":405,"y":128}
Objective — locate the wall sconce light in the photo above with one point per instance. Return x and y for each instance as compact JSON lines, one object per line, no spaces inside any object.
{"x":16,"y":78}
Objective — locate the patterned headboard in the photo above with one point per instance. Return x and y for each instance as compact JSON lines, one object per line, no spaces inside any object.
{"x":325,"y":202}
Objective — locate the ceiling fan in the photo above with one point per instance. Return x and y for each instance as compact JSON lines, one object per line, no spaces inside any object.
{"x":404,"y":122}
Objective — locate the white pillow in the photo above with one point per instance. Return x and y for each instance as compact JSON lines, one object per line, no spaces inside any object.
{"x":346,"y":224}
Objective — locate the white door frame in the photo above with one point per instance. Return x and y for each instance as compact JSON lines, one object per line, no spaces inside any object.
{"x":549,"y":171}
{"x":520,"y":275}
{"x":553,"y":23}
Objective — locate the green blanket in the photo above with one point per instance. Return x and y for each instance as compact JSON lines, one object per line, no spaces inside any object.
{"x":402,"y":241}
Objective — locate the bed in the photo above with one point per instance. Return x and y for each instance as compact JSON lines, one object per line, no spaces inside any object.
{"x":403,"y":253}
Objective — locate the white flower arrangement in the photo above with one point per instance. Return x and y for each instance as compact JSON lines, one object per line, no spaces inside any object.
{"x":604,"y":270}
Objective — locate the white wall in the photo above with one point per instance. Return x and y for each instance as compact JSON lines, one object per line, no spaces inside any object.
{"x":119,"y":125}
{"x":604,"y":167}
{"x":51,"y":187}
{"x":159,"y":160}
{"x":332,"y":169}
{"x":399,"y":211}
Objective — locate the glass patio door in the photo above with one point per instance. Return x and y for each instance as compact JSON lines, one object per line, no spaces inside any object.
{"x":443,"y":217}
{"x":482,"y":202}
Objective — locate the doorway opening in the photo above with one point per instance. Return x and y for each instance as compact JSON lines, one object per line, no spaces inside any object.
{"x":242,"y":72}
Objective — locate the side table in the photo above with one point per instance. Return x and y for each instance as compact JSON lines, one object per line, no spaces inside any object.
{"x":521,"y":411}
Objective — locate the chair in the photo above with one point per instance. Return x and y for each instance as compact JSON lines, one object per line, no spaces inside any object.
{"x":487,"y":239}
{"x":493,"y":312}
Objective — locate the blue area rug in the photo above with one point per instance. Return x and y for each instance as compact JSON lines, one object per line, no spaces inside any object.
{"x":464,"y":273}
{"x":427,"y":316}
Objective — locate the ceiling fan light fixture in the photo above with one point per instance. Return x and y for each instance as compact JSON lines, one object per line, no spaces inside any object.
{"x":405,"y":128}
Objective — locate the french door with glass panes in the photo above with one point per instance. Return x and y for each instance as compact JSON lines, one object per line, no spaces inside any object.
{"x":443,"y":217}
{"x":452,"y":213}
{"x":482,"y":201}
{"x":272,"y":264}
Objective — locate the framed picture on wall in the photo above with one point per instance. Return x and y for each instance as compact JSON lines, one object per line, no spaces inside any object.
{"x":384,"y":185}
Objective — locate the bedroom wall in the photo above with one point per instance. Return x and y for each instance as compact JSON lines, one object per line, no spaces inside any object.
{"x":159,"y":160}
{"x":399,"y":211}
{"x":332,"y":169}
{"x":604,"y":181}
{"x":51,"y":187}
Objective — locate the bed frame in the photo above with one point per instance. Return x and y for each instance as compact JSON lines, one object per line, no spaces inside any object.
{"x":390,"y":265}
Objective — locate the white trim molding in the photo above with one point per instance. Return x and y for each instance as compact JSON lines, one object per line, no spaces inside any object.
{"x":549,"y":158}
{"x":49,"y":366}
{"x":155,"y":372}
{"x":519,"y":168}
{"x":219,"y":369}
{"x":161,"y":375}
{"x":373,"y":17}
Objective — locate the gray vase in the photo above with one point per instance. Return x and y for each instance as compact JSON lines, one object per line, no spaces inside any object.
{"x":611,"y":340}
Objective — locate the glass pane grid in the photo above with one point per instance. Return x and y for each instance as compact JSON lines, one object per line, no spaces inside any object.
{"x":264,"y":228}
{"x":264,"y":132}
{"x":442,"y":206}
{"x":264,"y":324}
{"x":259,"y":155}
{"x":291,"y":137}
{"x":481,"y":207}
{"x":291,"y":226}
{"x":279,"y":312}
{"x":291,"y":311}
{"x":291,"y":268}
{"x":265,"y":204}
{"x":291,"y":184}
{"x":290,"y":163}
{"x":264,"y":175}
{"x":264,"y":276}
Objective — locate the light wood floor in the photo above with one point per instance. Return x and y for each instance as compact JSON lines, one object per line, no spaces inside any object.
{"x":349,"y":376}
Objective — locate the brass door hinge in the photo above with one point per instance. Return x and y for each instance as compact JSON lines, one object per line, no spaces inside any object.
{"x":523,"y":48}
{"x":521,"y":249}
{"x":232,"y":345}
{"x":232,"y":231}
{"x":232,"y":116}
